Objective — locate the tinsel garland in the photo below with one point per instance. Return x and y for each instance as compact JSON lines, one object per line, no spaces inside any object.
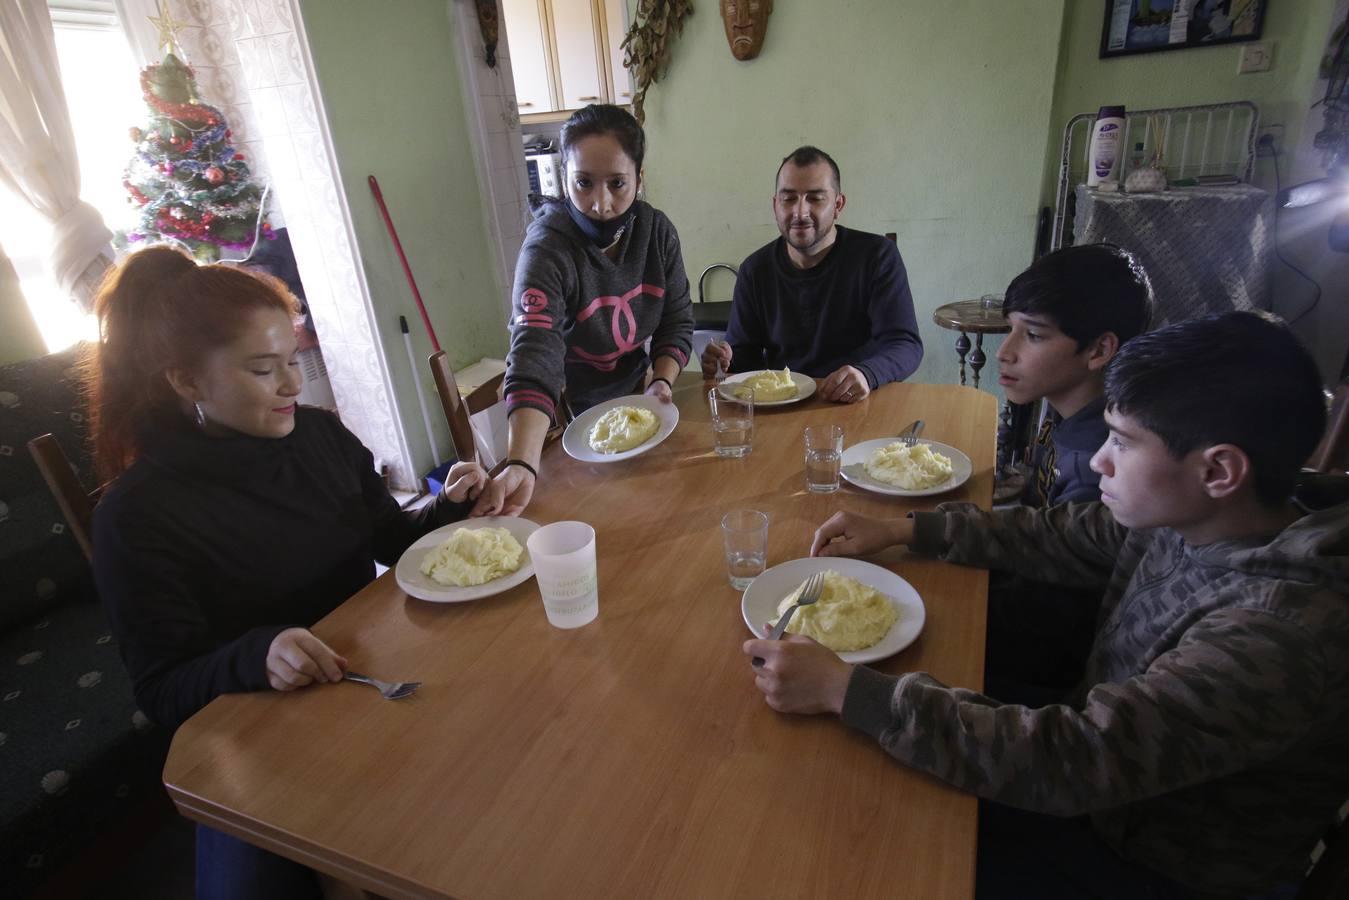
{"x":209,"y":114}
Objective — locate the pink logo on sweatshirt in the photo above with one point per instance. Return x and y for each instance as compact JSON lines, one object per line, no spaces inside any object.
{"x":533,"y":300}
{"x":534,"y":303}
{"x":623,"y":326}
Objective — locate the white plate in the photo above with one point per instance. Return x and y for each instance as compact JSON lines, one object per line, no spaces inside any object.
{"x":408,"y":572}
{"x":576,"y":439}
{"x":805,"y":386}
{"x":855,"y":456}
{"x":760,"y":602}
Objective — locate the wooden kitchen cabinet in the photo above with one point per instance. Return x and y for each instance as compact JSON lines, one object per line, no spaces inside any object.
{"x":529,"y":58}
{"x":566,"y":54}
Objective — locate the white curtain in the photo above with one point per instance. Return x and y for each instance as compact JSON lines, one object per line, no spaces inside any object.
{"x":134,"y":16}
{"x":37,"y":146}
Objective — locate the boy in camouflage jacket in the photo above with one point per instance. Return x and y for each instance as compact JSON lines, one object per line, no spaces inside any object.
{"x":1208,"y":739}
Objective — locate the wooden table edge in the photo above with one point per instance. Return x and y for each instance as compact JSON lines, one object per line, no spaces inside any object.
{"x":300,"y":850}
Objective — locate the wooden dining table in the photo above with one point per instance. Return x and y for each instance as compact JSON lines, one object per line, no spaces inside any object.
{"x":632,"y":757}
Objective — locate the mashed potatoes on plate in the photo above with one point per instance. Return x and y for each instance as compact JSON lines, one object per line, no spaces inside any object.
{"x":769,"y":387}
{"x":473,"y":556}
{"x":623,"y":428}
{"x":913,"y":468}
{"x":849,"y":615}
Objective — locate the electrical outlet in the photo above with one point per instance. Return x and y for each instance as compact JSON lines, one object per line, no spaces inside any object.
{"x":1271,"y":136}
{"x":1255,"y":57}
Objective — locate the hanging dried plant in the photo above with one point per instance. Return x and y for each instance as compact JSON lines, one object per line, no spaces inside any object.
{"x":654,"y":27}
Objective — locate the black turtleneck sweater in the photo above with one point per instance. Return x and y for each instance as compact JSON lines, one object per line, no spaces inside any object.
{"x":207,"y":548}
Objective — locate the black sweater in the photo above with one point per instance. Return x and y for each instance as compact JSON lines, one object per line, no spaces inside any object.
{"x":854,"y":308}
{"x":207,"y":548}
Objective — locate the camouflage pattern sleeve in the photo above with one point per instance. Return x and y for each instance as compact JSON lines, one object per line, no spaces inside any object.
{"x":1075,"y":545}
{"x":1240,"y":687}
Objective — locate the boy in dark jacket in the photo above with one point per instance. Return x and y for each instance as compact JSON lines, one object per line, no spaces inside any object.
{"x":1202,"y":754}
{"x":1070,"y":312}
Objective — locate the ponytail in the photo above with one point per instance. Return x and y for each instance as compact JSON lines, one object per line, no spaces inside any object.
{"x":159,"y":310}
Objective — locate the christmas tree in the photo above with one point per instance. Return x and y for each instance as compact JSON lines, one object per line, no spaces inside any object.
{"x":189,"y":183}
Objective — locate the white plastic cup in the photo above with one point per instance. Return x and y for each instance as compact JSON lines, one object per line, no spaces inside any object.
{"x":563,"y":554}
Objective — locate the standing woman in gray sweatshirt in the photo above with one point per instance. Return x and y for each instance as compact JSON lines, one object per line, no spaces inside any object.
{"x":600,"y":272}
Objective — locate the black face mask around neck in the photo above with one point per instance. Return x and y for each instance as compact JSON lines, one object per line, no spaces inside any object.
{"x":601,"y":234}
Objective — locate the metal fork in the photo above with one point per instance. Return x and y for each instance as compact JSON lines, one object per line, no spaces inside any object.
{"x":910,"y":436}
{"x":810,"y":593}
{"x":390,"y":690}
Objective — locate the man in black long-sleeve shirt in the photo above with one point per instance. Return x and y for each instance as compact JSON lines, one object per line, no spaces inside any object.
{"x":825,"y":300}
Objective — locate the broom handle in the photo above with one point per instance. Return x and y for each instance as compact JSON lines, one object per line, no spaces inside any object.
{"x":407,"y":270}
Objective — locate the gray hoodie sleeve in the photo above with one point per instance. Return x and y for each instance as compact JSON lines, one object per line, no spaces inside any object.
{"x":544,"y":278}
{"x":673,"y":337}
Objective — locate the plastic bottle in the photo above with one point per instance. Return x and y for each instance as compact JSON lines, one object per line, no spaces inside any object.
{"x":1104,"y":153}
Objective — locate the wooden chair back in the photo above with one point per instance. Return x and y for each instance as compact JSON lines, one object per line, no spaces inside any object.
{"x":458,"y":408}
{"x":76,"y":504}
{"x":1332,"y":454}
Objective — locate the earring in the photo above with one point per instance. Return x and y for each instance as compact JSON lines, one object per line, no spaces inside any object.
{"x":201,"y":416}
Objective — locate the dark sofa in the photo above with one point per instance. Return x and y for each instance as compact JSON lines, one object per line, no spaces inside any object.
{"x":78,"y":761}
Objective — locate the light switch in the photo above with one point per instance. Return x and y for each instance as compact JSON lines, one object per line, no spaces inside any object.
{"x":1255,"y":57}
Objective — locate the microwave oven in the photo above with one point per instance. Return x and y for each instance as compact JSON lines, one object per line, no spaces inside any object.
{"x":545,"y":173}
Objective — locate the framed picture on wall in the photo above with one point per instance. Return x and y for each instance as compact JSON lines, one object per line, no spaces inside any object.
{"x":1147,"y":26}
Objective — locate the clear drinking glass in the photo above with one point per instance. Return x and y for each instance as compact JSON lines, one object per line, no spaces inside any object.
{"x":824,"y":454}
{"x":744,"y":532}
{"x":732,"y":422}
{"x":563,"y":554}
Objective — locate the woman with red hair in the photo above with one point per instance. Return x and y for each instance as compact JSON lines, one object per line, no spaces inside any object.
{"x":235,"y":518}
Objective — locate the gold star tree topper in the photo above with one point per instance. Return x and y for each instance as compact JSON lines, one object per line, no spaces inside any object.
{"x":168,"y":27}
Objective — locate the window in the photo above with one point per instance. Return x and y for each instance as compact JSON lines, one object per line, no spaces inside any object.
{"x":102,"y":87}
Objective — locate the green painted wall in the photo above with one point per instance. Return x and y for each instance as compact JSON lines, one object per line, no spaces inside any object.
{"x":19,"y":337}
{"x":1296,"y":28}
{"x":391,"y":85}
{"x":936,"y":113}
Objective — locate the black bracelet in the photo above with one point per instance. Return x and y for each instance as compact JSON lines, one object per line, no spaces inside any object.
{"x":667,"y":381}
{"x":522,"y":464}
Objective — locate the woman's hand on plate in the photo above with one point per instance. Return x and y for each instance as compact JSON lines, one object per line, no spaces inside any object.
{"x":661,"y":391}
{"x":296,"y":658}
{"x":799,"y":675}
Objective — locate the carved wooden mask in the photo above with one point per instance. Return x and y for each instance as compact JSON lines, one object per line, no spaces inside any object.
{"x":746,"y":24}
